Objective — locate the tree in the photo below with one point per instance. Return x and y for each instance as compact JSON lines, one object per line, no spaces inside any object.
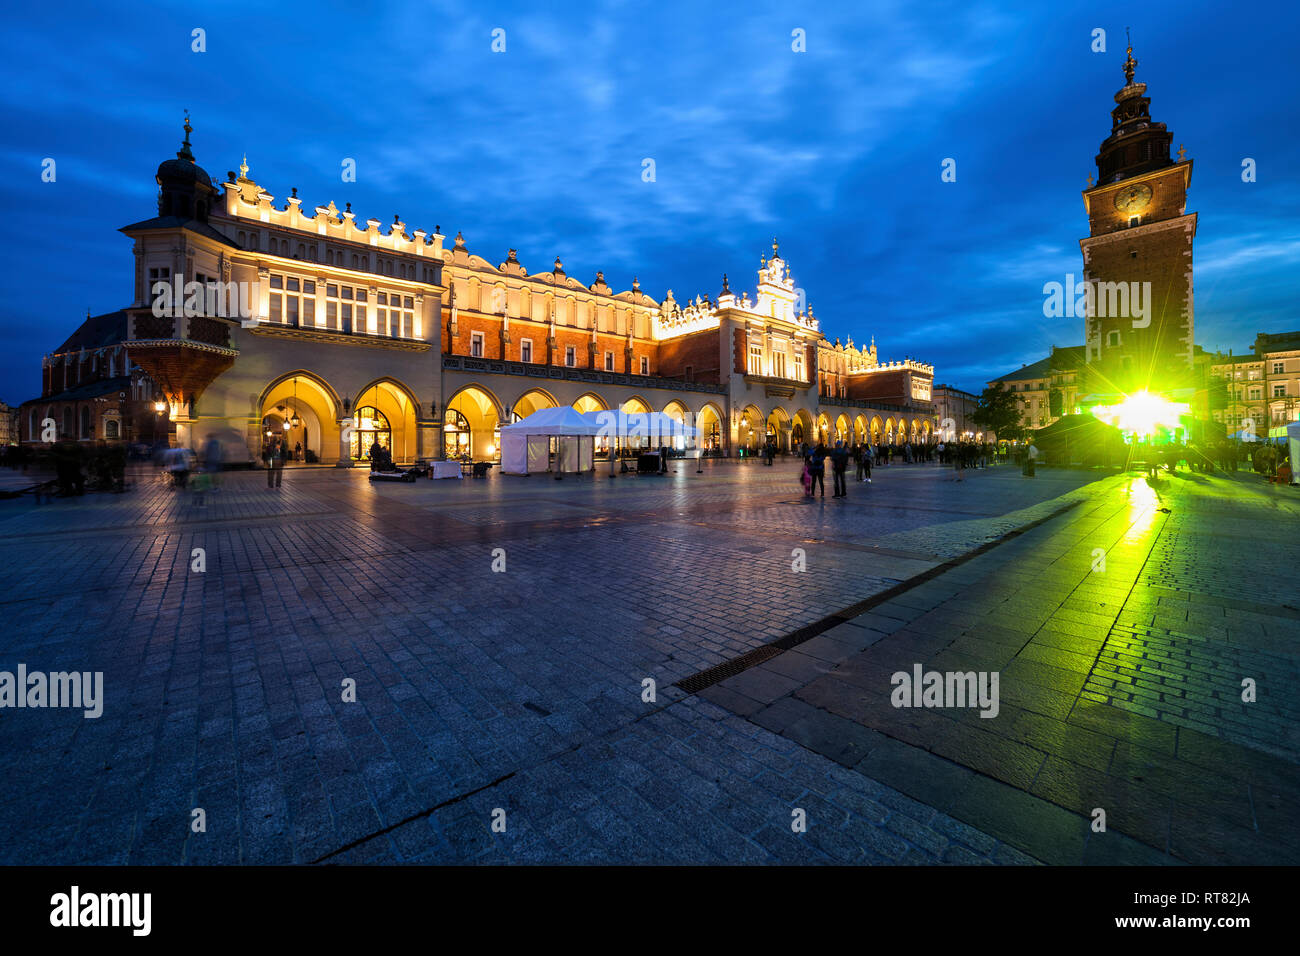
{"x":999,"y":412}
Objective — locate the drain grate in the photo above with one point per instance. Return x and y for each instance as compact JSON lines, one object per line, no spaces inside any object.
{"x":720,"y":672}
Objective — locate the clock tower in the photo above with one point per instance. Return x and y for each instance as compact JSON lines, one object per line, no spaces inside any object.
{"x":1137,"y":258}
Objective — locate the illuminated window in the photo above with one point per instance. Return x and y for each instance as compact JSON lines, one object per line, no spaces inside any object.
{"x":756,"y":360}
{"x":525,"y":350}
{"x":476,"y":344}
{"x":371,"y":427}
{"x":645,"y":365}
{"x":778,"y":364}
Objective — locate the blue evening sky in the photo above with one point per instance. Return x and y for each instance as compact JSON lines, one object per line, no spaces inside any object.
{"x":836,"y":151}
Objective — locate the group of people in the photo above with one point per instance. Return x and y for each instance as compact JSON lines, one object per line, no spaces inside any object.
{"x":841,"y":456}
{"x":180,"y":463}
{"x":966,"y":454}
{"x":77,"y":465}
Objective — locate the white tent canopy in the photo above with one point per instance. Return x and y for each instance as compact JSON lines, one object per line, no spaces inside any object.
{"x":564,"y":420}
{"x":526,"y":445}
{"x":658,"y":427}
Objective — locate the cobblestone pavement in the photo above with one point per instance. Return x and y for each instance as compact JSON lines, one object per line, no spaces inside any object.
{"x":1123,"y":632}
{"x":523,"y":689}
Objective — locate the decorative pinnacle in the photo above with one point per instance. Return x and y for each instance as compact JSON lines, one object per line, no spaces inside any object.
{"x":1182,"y":152}
{"x":726,"y":290}
{"x":243,"y":168}
{"x":184,"y":151}
{"x":1130,"y":64}
{"x":775,"y":247}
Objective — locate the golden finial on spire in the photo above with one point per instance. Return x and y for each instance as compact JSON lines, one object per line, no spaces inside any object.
{"x":1130,"y":64}
{"x":243,"y":167}
{"x":184,"y":151}
{"x":775,"y":247}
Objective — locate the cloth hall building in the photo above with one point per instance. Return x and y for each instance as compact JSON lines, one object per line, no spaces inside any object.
{"x":246,"y":315}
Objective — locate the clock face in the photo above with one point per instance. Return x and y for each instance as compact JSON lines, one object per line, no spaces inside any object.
{"x":1133,"y":198}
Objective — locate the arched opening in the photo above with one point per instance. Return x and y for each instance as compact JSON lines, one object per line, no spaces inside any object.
{"x":877,"y":429}
{"x":635,"y":404}
{"x":751,"y":430}
{"x":778,"y":429}
{"x":822,"y":432}
{"x":394,"y":403}
{"x":590,"y":402}
{"x":842,"y":428}
{"x":310,"y":409}
{"x":532,"y":401}
{"x":709,"y":422}
{"x":472,"y":425}
{"x":803,"y":430}
{"x":860,"y":429}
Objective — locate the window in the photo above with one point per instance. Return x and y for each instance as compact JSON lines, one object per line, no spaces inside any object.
{"x":157,"y":275}
{"x":798,"y":366}
{"x":756,"y":360}
{"x":1112,"y":339}
{"x":292,"y":300}
{"x":645,"y":365}
{"x":476,"y":344}
{"x":1279,"y":391}
{"x":525,"y":350}
{"x":609,"y":361}
{"x":570,"y":356}
{"x":778,"y":364}
{"x":110,"y":429}
{"x":1278,"y":368}
{"x":1256,"y":394}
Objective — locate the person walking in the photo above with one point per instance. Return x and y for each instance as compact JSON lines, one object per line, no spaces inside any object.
{"x":278,"y":455}
{"x":212,"y":459}
{"x":839,"y":469}
{"x":178,"y":462}
{"x":268,"y":459}
{"x":1031,"y":459}
{"x":817,"y":466}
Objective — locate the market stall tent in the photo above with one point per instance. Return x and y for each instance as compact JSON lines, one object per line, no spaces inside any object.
{"x":526,"y":445}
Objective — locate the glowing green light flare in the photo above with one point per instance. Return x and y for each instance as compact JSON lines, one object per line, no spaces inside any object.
{"x":1143,"y":413}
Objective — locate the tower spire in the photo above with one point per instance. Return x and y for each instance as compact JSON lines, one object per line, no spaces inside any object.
{"x":1130,"y":64}
{"x":184,"y":151}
